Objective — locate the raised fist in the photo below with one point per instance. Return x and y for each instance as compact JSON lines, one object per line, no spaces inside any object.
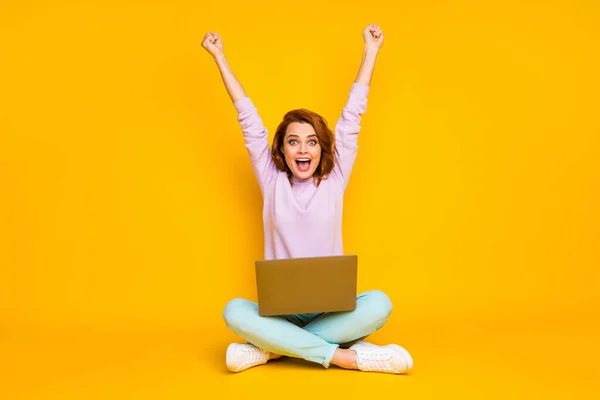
{"x":373,"y":36}
{"x":213,"y":44}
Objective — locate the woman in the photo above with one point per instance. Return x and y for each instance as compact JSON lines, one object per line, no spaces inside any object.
{"x":302,"y":180}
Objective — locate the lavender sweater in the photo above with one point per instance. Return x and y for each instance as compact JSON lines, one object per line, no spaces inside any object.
{"x":303,"y":220}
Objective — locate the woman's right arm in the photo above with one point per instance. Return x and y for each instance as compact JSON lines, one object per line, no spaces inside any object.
{"x":234,"y":87}
{"x":255,"y":134}
{"x":214,"y":45}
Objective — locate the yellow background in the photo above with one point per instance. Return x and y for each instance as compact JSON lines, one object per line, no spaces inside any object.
{"x":130,"y":214}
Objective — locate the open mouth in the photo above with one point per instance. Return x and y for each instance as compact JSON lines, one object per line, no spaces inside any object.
{"x":303,"y":164}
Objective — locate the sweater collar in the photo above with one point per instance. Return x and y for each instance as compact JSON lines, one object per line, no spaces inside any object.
{"x":298,"y":181}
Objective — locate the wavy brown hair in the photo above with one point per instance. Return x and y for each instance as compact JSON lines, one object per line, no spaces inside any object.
{"x":324,"y":134}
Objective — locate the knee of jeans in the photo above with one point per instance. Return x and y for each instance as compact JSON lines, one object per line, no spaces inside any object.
{"x":379,"y":304}
{"x":236,"y":312}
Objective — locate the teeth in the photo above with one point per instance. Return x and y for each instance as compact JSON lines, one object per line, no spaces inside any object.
{"x":302,"y":159}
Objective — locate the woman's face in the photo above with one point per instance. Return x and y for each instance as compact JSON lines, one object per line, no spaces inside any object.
{"x":301,"y":149}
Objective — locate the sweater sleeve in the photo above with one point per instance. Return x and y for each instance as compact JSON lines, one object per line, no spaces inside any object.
{"x":346,"y":131}
{"x":256,"y":139}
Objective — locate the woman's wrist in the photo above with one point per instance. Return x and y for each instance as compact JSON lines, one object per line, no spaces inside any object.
{"x":220,"y":58}
{"x":371,"y":50}
{"x":221,"y":61}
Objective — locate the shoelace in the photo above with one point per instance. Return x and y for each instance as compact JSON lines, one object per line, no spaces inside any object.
{"x":253,"y":355}
{"x":375,"y":361}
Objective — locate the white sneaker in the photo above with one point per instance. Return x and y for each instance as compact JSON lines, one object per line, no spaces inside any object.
{"x":391,"y":358}
{"x":243,"y":356}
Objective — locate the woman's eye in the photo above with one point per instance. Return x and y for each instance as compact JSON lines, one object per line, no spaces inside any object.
{"x":313,"y":142}
{"x":292,"y":142}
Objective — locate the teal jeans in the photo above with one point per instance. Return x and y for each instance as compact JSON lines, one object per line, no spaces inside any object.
{"x":313,"y":337}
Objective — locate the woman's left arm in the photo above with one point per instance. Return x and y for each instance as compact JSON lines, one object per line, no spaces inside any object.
{"x":348,"y":125}
{"x":373,"y":41}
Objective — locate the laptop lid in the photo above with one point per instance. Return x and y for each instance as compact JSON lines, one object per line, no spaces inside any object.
{"x":306,"y":285}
